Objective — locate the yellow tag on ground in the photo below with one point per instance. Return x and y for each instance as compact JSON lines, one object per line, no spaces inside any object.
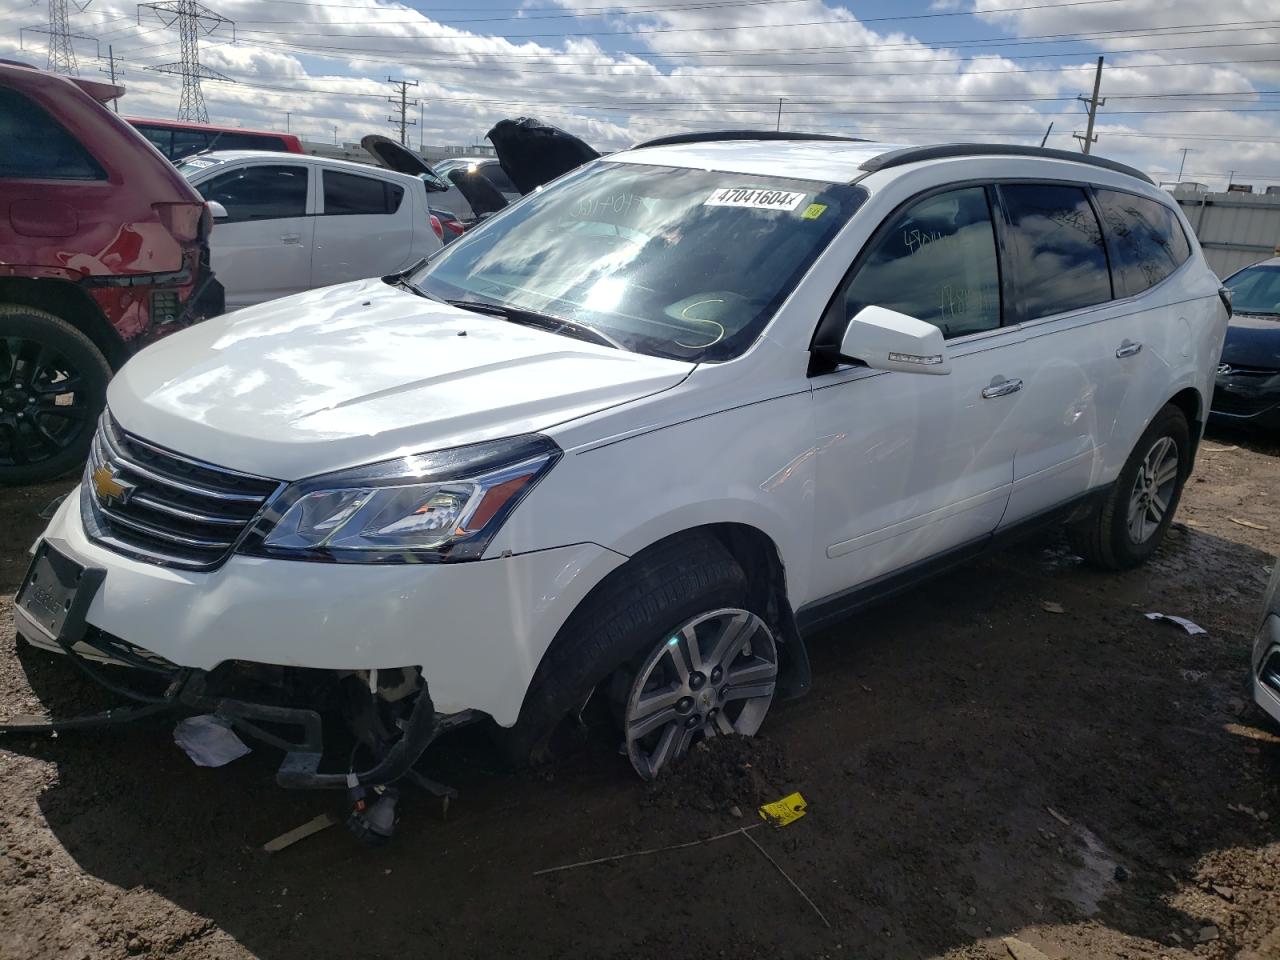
{"x":787,"y":810}
{"x":813,"y":211}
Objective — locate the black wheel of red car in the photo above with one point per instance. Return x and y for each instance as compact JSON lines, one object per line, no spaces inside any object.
{"x":53,"y":384}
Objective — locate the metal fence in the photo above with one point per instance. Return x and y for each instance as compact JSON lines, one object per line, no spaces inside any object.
{"x":1235,"y":229}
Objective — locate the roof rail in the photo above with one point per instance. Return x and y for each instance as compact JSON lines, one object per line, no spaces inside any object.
{"x":941,"y":151}
{"x":712,"y":136}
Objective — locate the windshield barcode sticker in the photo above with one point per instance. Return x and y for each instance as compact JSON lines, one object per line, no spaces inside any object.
{"x":755,"y":198}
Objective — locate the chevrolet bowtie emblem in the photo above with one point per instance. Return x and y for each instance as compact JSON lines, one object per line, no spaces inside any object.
{"x":110,"y":489}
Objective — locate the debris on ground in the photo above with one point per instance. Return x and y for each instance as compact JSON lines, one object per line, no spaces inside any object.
{"x":1059,"y":817}
{"x":1247,"y":523}
{"x":1207,"y":934}
{"x":209,"y":740}
{"x":724,"y":772}
{"x":1021,"y":950}
{"x":1052,"y":606}
{"x":1193,"y":629}
{"x":787,"y":810}
{"x":291,"y":837}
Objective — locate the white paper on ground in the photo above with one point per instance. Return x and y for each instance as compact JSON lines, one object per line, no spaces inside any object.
{"x":208,"y":740}
{"x":1191,"y":628}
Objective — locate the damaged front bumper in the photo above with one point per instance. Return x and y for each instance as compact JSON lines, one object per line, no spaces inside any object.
{"x":161,"y":687}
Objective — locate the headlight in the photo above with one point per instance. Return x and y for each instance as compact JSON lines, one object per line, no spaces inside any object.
{"x":430,"y":507}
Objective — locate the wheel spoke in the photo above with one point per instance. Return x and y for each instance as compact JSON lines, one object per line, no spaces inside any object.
{"x":69,"y":384}
{"x":1157,"y":507}
{"x":678,"y":660}
{"x":1167,"y":471}
{"x":724,"y":724}
{"x":732,"y":637}
{"x":644,"y":726}
{"x":748,"y":691}
{"x":74,"y":414}
{"x":753,"y":671}
{"x":692,"y":649}
{"x":18,"y":446}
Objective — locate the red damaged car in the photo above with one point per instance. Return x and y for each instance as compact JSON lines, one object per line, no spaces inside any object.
{"x":103,"y":248}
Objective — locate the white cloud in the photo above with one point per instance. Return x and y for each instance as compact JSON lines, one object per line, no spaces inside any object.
{"x":691,"y":68}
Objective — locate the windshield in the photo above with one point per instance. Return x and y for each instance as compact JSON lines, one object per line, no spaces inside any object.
{"x":1255,"y":290}
{"x":688,"y":264}
{"x":193,"y":165}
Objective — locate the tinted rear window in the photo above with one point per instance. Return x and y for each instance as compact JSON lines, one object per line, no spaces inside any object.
{"x":1145,"y":240}
{"x":231,"y":140}
{"x":348,"y":194}
{"x":498,"y":177}
{"x":37,"y":147}
{"x":1059,"y":260}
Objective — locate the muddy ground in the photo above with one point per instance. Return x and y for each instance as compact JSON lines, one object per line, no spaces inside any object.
{"x":976,"y":767}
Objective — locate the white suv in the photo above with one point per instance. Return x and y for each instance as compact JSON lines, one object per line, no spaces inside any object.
{"x":634,"y":438}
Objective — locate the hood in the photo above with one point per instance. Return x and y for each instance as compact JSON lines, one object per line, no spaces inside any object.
{"x":482,"y":195}
{"x":395,"y":156}
{"x":363,"y":372}
{"x":533,"y":153}
{"x":1253,"y":342}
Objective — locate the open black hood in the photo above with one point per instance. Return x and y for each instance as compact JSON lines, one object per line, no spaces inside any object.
{"x":483,"y":196}
{"x":395,"y":156}
{"x":533,"y":153}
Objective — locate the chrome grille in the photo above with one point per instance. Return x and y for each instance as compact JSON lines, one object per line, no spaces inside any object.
{"x":148,"y":502}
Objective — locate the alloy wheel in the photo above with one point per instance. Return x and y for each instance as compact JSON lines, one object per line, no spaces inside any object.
{"x":714,"y":675}
{"x":44,"y":407}
{"x":1153,"y":490}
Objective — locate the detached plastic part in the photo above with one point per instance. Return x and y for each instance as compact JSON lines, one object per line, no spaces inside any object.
{"x":374,"y":823}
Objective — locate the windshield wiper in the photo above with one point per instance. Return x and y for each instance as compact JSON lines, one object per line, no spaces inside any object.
{"x":544,"y":321}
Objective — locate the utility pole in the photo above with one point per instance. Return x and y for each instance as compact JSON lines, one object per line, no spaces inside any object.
{"x":192,"y":18}
{"x":778,"y":126}
{"x":419,"y":126}
{"x":1185,"y":151}
{"x":110,"y":70}
{"x":288,"y":121}
{"x":62,"y":55}
{"x":1088,"y":140}
{"x":335,"y":135}
{"x":1045,"y":138}
{"x":402,"y":104}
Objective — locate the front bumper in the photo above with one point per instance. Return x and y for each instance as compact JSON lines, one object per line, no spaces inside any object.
{"x":477,"y":630}
{"x":1266,"y":667}
{"x":1246,"y":401}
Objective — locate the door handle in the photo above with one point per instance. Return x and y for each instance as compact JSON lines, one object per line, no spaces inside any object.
{"x":291,"y":238}
{"x":1001,"y":389}
{"x":1128,"y":349}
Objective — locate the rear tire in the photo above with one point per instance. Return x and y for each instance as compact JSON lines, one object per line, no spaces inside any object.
{"x":53,"y":386}
{"x":619,"y":624}
{"x":1128,"y":526}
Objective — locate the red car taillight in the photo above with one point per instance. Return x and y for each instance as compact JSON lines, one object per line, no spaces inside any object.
{"x":435,"y":225}
{"x":182,"y":220}
{"x":455,"y":227}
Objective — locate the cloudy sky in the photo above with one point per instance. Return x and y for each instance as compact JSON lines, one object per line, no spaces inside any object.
{"x":1179,"y":73}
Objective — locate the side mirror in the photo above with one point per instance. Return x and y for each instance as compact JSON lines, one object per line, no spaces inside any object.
{"x":884,"y":339}
{"x":216,"y":210}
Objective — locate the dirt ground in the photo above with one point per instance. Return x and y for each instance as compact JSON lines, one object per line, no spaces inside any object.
{"x":976,"y":767}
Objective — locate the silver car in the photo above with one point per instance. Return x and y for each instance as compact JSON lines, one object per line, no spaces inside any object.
{"x":1266,"y":650}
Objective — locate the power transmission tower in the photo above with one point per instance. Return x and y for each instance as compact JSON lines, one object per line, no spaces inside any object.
{"x":62,"y":54}
{"x":403,"y":103}
{"x":192,"y":18}
{"x":110,"y":70}
{"x":1088,"y":140}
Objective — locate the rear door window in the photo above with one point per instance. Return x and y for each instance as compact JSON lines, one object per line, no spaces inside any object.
{"x":161,"y":137}
{"x":37,"y":147}
{"x":267,"y":192}
{"x":1056,"y":245}
{"x":1144,"y":238}
{"x":935,"y":262}
{"x":349,"y":194}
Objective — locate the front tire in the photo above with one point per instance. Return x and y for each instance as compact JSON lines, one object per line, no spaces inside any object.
{"x":53,"y":385}
{"x":615,"y":639}
{"x":1128,"y":526}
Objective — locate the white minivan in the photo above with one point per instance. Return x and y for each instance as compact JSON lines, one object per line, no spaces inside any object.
{"x":624,"y":446}
{"x":285,"y":222}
